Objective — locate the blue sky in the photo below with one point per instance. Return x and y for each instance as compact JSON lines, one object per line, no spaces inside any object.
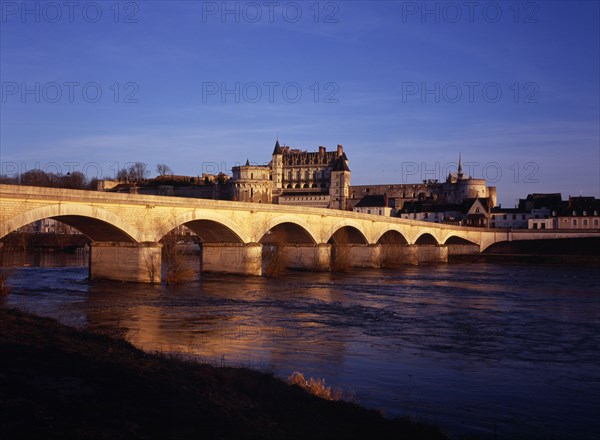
{"x":404,"y":86}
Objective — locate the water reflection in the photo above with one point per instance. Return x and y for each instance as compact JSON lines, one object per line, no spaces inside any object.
{"x":476,"y":349}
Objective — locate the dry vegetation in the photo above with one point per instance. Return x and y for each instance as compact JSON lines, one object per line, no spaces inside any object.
{"x":275,"y":258}
{"x":6,"y":269}
{"x":391,"y":256}
{"x":316,"y":387}
{"x":340,"y":252}
{"x":176,"y":269}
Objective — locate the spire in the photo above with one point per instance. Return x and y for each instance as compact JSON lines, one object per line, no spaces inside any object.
{"x":277,"y":149}
{"x":460,"y":173}
{"x":247,"y":162}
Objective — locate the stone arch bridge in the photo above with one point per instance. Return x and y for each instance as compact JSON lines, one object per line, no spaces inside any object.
{"x":125,"y":232}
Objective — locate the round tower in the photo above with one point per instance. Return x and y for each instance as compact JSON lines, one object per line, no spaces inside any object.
{"x":277,"y":167}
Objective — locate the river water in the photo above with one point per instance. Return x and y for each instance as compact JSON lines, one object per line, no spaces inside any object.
{"x":495,"y":351}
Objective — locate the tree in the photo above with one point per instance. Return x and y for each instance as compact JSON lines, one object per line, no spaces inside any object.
{"x":92,"y":184}
{"x":138,"y":172}
{"x":35,"y":177}
{"x":163,"y":169}
{"x":122,"y":175}
{"x":74,"y":180}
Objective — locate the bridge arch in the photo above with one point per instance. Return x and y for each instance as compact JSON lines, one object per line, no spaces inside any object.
{"x":94,"y":222}
{"x":392,"y":236}
{"x":426,"y":238}
{"x":291,"y":227}
{"x":455,"y":239}
{"x":209,"y":226}
{"x":347,"y":232}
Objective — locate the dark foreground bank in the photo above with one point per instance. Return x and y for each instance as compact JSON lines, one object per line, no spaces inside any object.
{"x":60,"y":382}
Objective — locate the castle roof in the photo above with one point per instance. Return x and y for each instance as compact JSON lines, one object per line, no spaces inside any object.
{"x":372,"y":201}
{"x":340,"y":164}
{"x":277,"y":149}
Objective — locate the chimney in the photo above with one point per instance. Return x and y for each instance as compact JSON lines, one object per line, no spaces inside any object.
{"x":385,"y":200}
{"x":321,"y":150}
{"x":340,"y":150}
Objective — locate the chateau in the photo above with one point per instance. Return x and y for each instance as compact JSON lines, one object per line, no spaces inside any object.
{"x":295,"y":177}
{"x":322,"y":179}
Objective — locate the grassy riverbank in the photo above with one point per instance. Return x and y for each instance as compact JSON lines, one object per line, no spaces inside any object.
{"x":60,"y":382}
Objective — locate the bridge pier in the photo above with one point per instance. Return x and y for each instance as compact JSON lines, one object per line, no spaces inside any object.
{"x":431,"y":253}
{"x":463,"y":249}
{"x":232,"y":258}
{"x":395,"y":255}
{"x":124,"y":261}
{"x":364,"y":256}
{"x":308,"y":257}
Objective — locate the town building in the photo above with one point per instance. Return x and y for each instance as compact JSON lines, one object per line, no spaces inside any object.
{"x":454,"y":190}
{"x":375,"y":204}
{"x":575,"y":213}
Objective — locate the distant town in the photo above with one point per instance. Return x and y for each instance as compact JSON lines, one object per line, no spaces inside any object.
{"x":321,"y":179}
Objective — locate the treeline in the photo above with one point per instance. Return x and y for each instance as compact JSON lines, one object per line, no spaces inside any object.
{"x":135,"y":173}
{"x":74,"y":180}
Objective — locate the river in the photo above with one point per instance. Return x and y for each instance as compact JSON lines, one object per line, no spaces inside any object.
{"x":495,"y":351}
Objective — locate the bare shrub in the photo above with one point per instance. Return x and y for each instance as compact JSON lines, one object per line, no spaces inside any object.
{"x":315,"y":387}
{"x":340,"y":252}
{"x":6,"y":270}
{"x":391,"y":256}
{"x":176,"y":269}
{"x":275,"y":259}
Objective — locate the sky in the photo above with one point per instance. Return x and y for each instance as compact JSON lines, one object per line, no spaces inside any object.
{"x":405,"y":87}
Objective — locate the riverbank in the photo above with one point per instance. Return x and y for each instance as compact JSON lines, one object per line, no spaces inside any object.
{"x":60,"y":382}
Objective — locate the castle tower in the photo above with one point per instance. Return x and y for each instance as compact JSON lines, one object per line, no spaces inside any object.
{"x":459,"y":174}
{"x":339,"y":190}
{"x":277,"y":167}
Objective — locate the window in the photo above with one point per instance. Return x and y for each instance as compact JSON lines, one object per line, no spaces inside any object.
{"x":523,"y":217}
{"x":514,"y":216}
{"x":477,"y":210}
{"x":535,"y":226}
{"x":595,"y":222}
{"x":585,"y":223}
{"x":574,"y":222}
{"x":504,"y":217}
{"x":543,"y":225}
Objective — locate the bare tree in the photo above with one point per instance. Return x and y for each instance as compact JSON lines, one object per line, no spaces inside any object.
{"x":163,"y":169}
{"x":340,"y":251}
{"x":8,"y":179}
{"x":92,"y":184}
{"x":138,"y":172}
{"x":122,"y":175}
